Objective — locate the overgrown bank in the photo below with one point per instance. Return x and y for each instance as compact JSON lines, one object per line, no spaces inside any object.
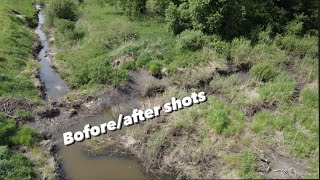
{"x":262,"y":114}
{"x":21,"y":156}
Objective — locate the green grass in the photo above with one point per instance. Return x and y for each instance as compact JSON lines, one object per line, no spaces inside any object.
{"x":11,"y":134}
{"x":16,"y":71}
{"x":14,"y":166}
{"x":224,"y":119}
{"x":248,"y":164}
{"x":15,"y":49}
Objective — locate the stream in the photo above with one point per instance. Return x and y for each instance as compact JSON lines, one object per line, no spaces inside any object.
{"x":55,"y":87}
{"x":77,"y":165}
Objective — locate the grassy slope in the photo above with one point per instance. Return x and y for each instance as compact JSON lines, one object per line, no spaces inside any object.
{"x":16,"y":71}
{"x":273,"y":107}
{"x":15,"y":50}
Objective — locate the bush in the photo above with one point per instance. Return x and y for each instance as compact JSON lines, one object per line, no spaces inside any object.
{"x":174,"y":22}
{"x":14,"y":165}
{"x":143,"y":59}
{"x":240,"y":50}
{"x":61,"y":9}
{"x":219,"y":119}
{"x":221,"y":47}
{"x":191,"y":40}
{"x":264,"y":72}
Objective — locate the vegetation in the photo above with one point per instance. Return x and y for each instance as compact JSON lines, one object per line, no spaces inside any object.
{"x":258,"y":60}
{"x":17,"y":73}
{"x":15,"y":49}
{"x":14,"y":165}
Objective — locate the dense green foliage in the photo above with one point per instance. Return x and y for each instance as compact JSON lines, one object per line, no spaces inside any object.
{"x":226,"y":18}
{"x":61,"y":9}
{"x":241,"y":17}
{"x":14,"y":166}
{"x":11,"y":134}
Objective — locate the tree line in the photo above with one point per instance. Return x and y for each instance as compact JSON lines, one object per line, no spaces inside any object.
{"x":228,"y":18}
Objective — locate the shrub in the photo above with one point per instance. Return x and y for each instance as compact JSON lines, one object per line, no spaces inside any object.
{"x":133,"y":8}
{"x":117,"y":32}
{"x":173,"y":20}
{"x":240,"y":50}
{"x":219,"y":119}
{"x":264,"y":72}
{"x":221,"y":47}
{"x":191,"y":40}
{"x":14,"y":165}
{"x":62,"y":9}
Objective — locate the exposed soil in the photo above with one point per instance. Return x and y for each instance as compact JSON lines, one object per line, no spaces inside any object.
{"x":232,"y":69}
{"x":10,"y":105}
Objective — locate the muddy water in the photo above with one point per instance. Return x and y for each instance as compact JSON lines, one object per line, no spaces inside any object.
{"x":77,"y":165}
{"x":55,"y":86}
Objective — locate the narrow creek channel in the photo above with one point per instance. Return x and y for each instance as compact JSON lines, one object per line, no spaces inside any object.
{"x":55,"y":87}
{"x":77,"y":165}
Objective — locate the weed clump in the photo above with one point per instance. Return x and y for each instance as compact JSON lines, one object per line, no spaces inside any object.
{"x":11,"y":134}
{"x":223,"y":119}
{"x":24,"y":136}
{"x":280,"y":89}
{"x":191,"y":40}
{"x":248,"y":164}
{"x":154,"y":67}
{"x":240,"y":50}
{"x":264,"y":72}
